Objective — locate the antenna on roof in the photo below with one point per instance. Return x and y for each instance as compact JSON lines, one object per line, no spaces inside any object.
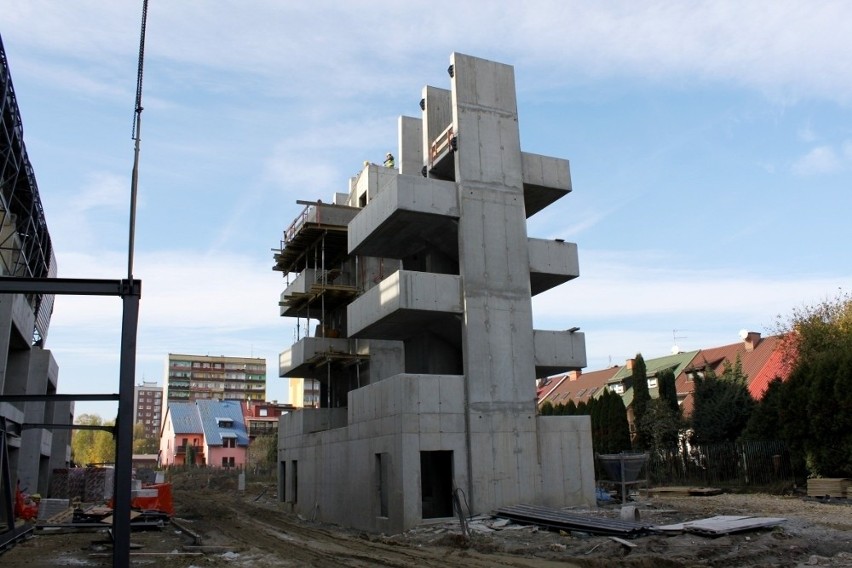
{"x":675,"y":337}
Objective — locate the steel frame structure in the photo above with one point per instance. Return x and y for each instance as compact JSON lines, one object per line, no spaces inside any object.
{"x":130,"y":292}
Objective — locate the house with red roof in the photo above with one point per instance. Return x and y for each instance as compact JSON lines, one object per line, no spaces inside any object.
{"x":761,"y":359}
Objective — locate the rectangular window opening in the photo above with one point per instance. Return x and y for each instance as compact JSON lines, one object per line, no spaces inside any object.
{"x":294,"y":467}
{"x":382,"y":483}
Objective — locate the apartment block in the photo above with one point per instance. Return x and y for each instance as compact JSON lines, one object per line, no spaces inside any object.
{"x":413,"y":291}
{"x":195,"y":377}
{"x":148,"y":407}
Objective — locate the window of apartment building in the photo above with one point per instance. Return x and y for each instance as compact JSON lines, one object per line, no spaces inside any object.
{"x":264,"y":412}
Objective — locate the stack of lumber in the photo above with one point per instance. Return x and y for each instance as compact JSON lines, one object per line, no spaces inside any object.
{"x":828,"y":487}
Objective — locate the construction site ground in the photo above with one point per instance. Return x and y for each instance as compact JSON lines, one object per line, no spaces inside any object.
{"x":252,"y":529}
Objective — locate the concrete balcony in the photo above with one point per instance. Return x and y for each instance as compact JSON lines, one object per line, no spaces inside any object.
{"x":545,"y":179}
{"x":551,"y":263}
{"x":303,"y":359}
{"x":407,"y":214}
{"x":334,"y":287}
{"x":558,"y":351}
{"x":310,"y":421}
{"x":405,"y":303}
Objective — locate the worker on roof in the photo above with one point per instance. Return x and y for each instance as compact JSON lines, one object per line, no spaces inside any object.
{"x":389,"y":160}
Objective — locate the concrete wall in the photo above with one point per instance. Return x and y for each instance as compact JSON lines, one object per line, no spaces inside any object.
{"x":398,"y":417}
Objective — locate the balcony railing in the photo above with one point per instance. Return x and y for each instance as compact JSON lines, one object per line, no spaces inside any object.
{"x":181,"y":450}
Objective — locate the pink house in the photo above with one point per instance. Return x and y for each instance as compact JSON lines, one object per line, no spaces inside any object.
{"x":204,"y":432}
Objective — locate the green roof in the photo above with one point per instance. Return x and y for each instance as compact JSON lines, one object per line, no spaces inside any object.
{"x":677,"y":363}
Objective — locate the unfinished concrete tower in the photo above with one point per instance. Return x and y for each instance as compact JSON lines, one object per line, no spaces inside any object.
{"x":421,"y":279}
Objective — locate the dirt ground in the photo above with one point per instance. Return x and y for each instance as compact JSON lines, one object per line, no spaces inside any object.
{"x":252,"y":529}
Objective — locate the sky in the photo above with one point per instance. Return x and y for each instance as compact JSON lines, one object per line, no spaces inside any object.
{"x":710,"y":146}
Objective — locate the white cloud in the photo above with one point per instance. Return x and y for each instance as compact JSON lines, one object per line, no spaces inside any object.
{"x":786,"y":48}
{"x":820,"y":160}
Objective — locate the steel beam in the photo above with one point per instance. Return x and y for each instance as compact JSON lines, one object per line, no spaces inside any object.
{"x":48,"y":426}
{"x":70,"y":286}
{"x":13,"y":398}
{"x":124,"y":430}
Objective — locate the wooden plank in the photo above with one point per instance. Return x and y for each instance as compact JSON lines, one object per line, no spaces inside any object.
{"x":621,"y":541}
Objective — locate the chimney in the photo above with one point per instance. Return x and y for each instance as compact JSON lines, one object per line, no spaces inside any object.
{"x":629,"y":364}
{"x":750,"y":340}
{"x":574,"y":375}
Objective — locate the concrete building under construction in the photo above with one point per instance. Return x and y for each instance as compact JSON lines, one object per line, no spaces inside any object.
{"x":413,"y":296}
{"x":29,"y":448}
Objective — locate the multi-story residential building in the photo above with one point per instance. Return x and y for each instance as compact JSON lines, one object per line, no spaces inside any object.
{"x":420,"y":279}
{"x":304,"y":393}
{"x":148,"y":407}
{"x":29,"y":450}
{"x":195,"y":377}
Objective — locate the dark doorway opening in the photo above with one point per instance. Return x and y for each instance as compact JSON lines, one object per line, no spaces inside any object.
{"x":436,"y":484}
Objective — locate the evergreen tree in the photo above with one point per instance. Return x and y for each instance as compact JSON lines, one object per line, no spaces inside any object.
{"x":764,"y":423}
{"x":547,"y":408}
{"x":723,"y":405}
{"x":668,"y":390}
{"x":641,"y":398}
{"x":571,"y":408}
{"x":618,"y":438}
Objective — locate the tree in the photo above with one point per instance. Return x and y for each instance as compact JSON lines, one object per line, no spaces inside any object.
{"x":143,"y":444}
{"x":92,"y":446}
{"x":668,"y":390}
{"x":641,"y":398}
{"x":660,"y":425}
{"x":547,"y":408}
{"x":723,"y":405}
{"x":764,"y":423}
{"x":813,"y":408}
{"x":812,"y":330}
{"x":263,"y":452}
{"x":615,"y":417}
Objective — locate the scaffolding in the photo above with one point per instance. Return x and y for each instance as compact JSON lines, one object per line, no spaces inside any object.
{"x":314,"y":247}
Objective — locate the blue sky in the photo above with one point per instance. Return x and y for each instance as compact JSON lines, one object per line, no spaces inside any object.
{"x":710,"y":147}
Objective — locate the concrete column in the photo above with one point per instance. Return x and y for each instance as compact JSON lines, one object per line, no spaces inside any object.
{"x":437,"y":115}
{"x":494,"y":263}
{"x":410,"y":158}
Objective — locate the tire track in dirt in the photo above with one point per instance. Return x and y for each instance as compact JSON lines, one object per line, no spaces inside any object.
{"x":275,"y":538}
